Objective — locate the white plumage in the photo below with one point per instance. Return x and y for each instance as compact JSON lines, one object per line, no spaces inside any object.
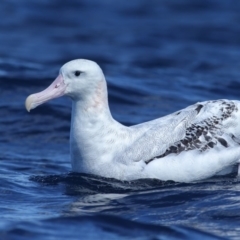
{"x":195,"y":143}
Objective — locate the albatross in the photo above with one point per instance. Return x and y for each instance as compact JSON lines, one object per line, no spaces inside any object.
{"x":189,"y":145}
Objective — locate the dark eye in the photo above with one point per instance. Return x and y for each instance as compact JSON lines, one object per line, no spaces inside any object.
{"x":77,"y":73}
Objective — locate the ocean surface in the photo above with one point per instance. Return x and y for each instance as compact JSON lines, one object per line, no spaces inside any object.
{"x":158,"y":56}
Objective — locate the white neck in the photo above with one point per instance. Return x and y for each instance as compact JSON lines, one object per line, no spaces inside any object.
{"x":92,"y":130}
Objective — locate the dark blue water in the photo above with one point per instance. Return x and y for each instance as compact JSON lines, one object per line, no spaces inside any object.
{"x":158,"y":57}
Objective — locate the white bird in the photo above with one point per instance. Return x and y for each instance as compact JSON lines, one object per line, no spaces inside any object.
{"x":192,"y":144}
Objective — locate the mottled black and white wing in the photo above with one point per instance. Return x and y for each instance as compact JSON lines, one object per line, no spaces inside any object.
{"x":213,"y":131}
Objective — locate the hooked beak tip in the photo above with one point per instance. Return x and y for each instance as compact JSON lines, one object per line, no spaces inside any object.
{"x":28,"y":103}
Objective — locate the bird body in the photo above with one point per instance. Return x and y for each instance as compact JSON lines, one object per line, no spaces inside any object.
{"x":195,"y":143}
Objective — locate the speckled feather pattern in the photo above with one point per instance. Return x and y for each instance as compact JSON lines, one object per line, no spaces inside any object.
{"x":207,"y":133}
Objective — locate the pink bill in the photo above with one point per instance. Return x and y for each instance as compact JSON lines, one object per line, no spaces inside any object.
{"x":55,"y":90}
